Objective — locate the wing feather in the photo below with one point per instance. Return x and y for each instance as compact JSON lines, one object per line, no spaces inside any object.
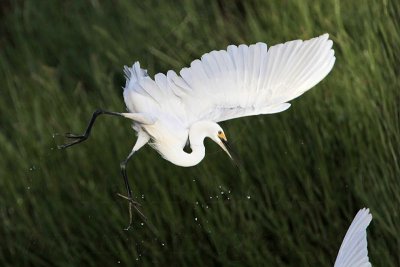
{"x":354,"y":252}
{"x":240,"y":81}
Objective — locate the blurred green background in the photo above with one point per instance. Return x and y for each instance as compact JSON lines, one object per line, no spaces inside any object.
{"x":305,"y":172}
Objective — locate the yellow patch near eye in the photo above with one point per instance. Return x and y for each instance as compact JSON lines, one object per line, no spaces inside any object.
{"x":222,"y":136}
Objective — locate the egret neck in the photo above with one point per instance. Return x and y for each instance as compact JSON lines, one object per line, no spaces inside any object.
{"x":197,"y":133}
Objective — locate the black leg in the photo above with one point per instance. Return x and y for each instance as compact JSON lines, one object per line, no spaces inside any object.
{"x":80,"y":138}
{"x":132,"y":203}
{"x":123,"y":171}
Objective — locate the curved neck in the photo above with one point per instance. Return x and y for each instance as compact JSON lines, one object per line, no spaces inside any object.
{"x":197,"y":133}
{"x":191,"y":159}
{"x":181,"y":158}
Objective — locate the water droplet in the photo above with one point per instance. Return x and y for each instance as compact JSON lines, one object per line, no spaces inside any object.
{"x":229,"y":191}
{"x":195,"y":218}
{"x":197,"y":203}
{"x":222,"y":192}
{"x":118,"y":262}
{"x":141,"y":224}
{"x":248,"y":197}
{"x":210,"y":197}
{"x":28,"y":188}
{"x":142,"y":196}
{"x":162,"y":244}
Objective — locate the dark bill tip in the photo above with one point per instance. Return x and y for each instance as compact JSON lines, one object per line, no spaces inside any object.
{"x":232,"y":153}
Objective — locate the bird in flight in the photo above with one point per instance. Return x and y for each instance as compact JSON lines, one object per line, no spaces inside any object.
{"x":354,"y":251}
{"x":173,"y":110}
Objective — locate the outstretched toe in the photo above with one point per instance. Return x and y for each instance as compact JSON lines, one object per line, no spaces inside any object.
{"x":74,"y":136}
{"x":133,"y":202}
{"x":76,"y":139}
{"x":136,"y":205}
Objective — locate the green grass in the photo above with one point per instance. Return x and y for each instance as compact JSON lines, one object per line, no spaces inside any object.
{"x":307,"y":170}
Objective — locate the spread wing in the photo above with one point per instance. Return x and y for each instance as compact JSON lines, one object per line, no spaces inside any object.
{"x":250,"y":80}
{"x":353,"y":252}
{"x":240,"y":81}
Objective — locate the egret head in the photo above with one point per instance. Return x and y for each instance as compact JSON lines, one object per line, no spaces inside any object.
{"x":212,"y":130}
{"x":217,"y":134}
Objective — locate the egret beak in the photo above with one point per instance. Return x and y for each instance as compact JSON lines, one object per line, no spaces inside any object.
{"x":226,"y":146}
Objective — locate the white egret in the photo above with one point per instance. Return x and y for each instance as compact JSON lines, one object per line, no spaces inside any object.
{"x":354,"y":252}
{"x":173,"y":110}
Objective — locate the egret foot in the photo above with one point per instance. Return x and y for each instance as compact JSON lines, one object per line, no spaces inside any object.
{"x":76,"y":139}
{"x":135,"y":205}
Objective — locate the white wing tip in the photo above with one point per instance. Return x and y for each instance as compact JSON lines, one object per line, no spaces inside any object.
{"x":324,"y":36}
{"x":365,"y":213}
{"x":354,"y":252}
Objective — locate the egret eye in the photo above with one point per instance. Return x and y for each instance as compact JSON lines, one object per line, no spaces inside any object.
{"x":221,"y":135}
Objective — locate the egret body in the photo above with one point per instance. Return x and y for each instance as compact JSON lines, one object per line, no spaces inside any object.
{"x":172,"y":110}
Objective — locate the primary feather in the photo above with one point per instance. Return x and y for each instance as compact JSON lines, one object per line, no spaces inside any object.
{"x":354,"y":252}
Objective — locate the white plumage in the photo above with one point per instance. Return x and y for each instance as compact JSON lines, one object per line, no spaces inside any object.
{"x":354,"y":252}
{"x":240,"y":81}
{"x":172,"y":109}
